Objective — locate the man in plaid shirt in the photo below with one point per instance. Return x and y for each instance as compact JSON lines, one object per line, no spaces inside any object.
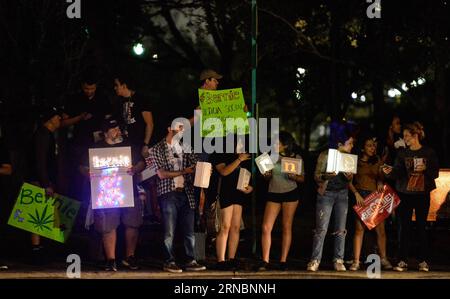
{"x":175,"y":187}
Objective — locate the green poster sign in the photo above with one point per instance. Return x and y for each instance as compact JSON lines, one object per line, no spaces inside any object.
{"x":222,"y":112}
{"x":50,"y":217}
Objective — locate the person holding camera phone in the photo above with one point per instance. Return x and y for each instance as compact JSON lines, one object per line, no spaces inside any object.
{"x":414,"y":170}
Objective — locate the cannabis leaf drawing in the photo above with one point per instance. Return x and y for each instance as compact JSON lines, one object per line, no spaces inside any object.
{"x":40,"y":221}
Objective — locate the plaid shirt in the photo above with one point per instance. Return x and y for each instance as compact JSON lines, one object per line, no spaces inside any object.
{"x":159,"y":155}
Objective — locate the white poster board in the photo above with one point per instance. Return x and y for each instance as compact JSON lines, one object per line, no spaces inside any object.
{"x":111,"y":185}
{"x":264,"y":163}
{"x":291,"y":165}
{"x":341,"y":162}
{"x":244,"y":179}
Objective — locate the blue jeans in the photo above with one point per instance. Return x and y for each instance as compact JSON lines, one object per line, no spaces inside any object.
{"x":175,"y":209}
{"x":337,"y":201}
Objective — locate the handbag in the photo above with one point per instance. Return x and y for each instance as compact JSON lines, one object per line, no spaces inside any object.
{"x":213,"y":218}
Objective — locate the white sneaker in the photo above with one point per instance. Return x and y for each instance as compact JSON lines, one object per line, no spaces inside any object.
{"x":401,"y":267}
{"x":423,"y":266}
{"x":339,"y":265}
{"x":355,"y":266}
{"x":313,"y":266}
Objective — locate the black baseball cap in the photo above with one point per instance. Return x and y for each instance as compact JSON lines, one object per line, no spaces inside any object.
{"x":109,"y":124}
{"x":48,"y":113}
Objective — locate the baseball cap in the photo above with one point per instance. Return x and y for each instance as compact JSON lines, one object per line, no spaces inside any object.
{"x":109,"y":124}
{"x":48,"y":113}
{"x":206,"y":74}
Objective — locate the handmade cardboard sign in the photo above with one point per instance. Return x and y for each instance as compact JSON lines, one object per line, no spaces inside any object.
{"x":291,"y":165}
{"x":341,"y":162}
{"x":202,"y":174}
{"x":222,"y":112}
{"x":244,"y":179}
{"x":264,"y":163}
{"x":50,"y":217}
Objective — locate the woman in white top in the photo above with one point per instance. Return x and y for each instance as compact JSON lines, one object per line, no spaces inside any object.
{"x":283,"y":195}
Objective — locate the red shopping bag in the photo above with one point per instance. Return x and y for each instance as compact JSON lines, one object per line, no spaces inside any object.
{"x":377,"y":206}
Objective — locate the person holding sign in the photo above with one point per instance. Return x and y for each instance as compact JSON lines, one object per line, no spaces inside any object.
{"x":368,"y":180}
{"x":283,"y":196}
{"x":175,"y":187}
{"x":414,"y":170}
{"x":107,"y":220}
{"x":44,"y":173}
{"x":5,"y":170}
{"x":332,"y":198}
{"x":231,"y":201}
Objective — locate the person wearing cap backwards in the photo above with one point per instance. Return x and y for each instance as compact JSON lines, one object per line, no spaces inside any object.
{"x":106,"y":221}
{"x":44,"y":173}
{"x":175,"y":188}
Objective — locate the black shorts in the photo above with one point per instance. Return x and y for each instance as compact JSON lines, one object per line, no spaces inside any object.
{"x":225,"y":202}
{"x":290,"y":196}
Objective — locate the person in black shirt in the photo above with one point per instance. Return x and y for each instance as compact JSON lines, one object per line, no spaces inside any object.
{"x":5,"y":169}
{"x":136,"y":113}
{"x":45,"y":166}
{"x":84,"y":112}
{"x":106,"y":221}
{"x":415,"y":169}
{"x":231,"y":201}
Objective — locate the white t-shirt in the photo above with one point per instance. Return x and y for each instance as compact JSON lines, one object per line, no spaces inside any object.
{"x":176,"y":159}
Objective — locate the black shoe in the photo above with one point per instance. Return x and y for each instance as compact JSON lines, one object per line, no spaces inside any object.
{"x":37,"y":256}
{"x":222,"y":266}
{"x":130,"y":263}
{"x":194,"y":266}
{"x":172,"y":267}
{"x":262,"y":266}
{"x":233,"y":264}
{"x":111,"y":266}
{"x":283,"y":266}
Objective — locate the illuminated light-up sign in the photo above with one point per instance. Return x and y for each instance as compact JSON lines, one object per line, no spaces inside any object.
{"x":106,"y":162}
{"x":291,"y":165}
{"x":202,"y":174}
{"x":244,"y":179}
{"x":111,"y":185}
{"x":341,"y":162}
{"x":439,"y":198}
{"x":264,"y":163}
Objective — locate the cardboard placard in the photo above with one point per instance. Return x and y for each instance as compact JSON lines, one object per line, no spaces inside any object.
{"x":377,"y":207}
{"x":291,"y":165}
{"x":202,"y":174}
{"x":219,"y":107}
{"x":244,"y":179}
{"x":341,"y":162}
{"x":50,"y":217}
{"x":439,"y":198}
{"x":264,"y":163}
{"x":111,"y":185}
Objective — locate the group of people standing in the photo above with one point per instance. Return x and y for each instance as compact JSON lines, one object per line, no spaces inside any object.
{"x":94,"y":123}
{"x":411,"y":166}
